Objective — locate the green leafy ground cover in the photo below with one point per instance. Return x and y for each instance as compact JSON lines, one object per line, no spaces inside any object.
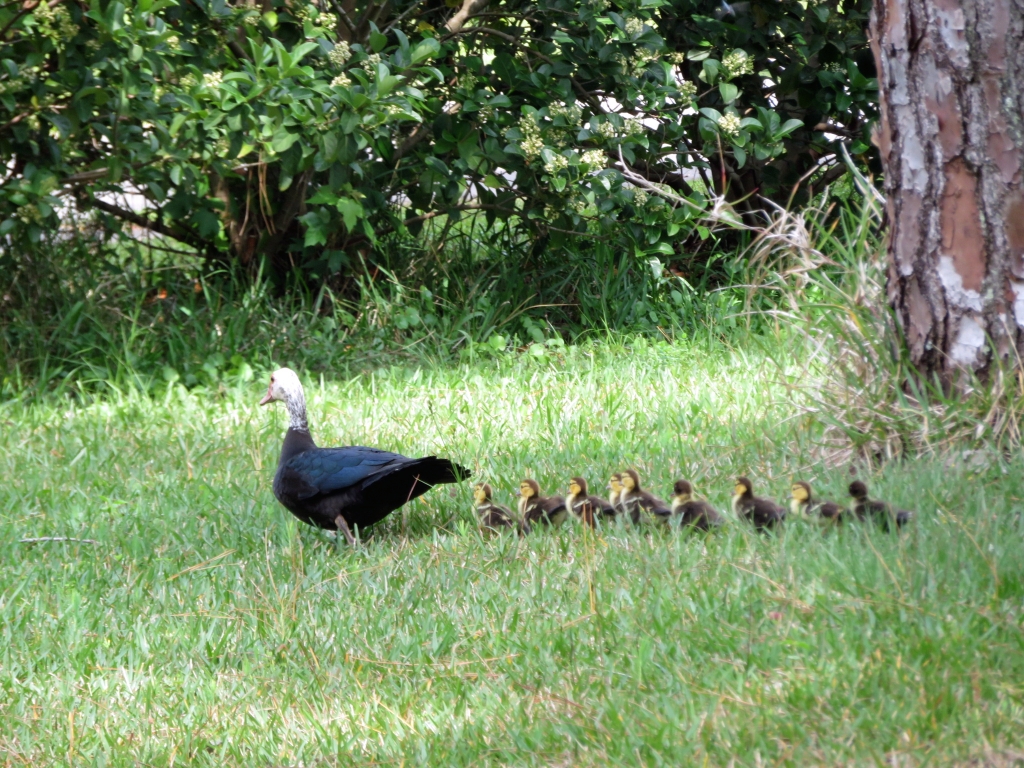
{"x":207,"y":627}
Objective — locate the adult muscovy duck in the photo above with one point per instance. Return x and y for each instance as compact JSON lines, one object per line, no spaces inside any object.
{"x":338,"y":488}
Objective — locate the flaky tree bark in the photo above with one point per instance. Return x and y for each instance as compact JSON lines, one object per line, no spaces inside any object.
{"x":951,"y":77}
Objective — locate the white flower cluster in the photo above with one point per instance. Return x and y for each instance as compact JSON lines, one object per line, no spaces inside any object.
{"x":729,"y":125}
{"x":467,"y":81}
{"x":572,"y":113}
{"x":531,"y":146}
{"x":55,"y":23}
{"x":393,"y":110}
{"x":25,"y":77}
{"x":687,"y":90}
{"x":486,"y":113}
{"x":676,"y":57}
{"x":633,"y":127}
{"x":188,"y":82}
{"x":342,"y":80}
{"x":212,"y":79}
{"x":370,"y":63}
{"x":600,"y":5}
{"x":173,"y":43}
{"x":29,"y":214}
{"x":314,"y":14}
{"x":639,"y":196}
{"x":606,"y":130}
{"x":634,"y":26}
{"x":531,"y":143}
{"x":339,"y":54}
{"x":641,"y":58}
{"x":736,"y":63}
{"x":595,"y":158}
{"x":578,"y":205}
{"x":556,"y":163}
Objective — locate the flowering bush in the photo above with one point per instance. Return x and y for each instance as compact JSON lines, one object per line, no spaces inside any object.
{"x":296,"y":134}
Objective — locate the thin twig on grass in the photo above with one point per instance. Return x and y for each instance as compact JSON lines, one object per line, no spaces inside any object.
{"x":41,"y":539}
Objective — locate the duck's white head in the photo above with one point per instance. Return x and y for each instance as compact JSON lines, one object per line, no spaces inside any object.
{"x":286,"y":387}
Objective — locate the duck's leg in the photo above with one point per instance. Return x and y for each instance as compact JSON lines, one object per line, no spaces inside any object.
{"x":342,"y":525}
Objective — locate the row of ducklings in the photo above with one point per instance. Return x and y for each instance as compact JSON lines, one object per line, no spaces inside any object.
{"x":628,"y":501}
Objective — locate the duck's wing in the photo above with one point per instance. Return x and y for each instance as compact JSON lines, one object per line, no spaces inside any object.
{"x":328,"y":470}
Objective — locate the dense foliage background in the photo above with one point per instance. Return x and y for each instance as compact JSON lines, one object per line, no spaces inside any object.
{"x":306,"y":134}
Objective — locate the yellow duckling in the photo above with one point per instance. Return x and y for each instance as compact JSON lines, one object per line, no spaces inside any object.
{"x":763,"y":513}
{"x":493,"y":518}
{"x":536,"y":509}
{"x":693,"y":513}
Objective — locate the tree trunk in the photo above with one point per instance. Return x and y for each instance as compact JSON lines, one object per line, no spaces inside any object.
{"x":951,"y":80}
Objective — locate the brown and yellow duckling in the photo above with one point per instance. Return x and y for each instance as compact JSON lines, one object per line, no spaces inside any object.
{"x":806,"y":506}
{"x":588,"y":509}
{"x":493,"y":518}
{"x":639,"y":503}
{"x":764,"y":514}
{"x":881,"y":512}
{"x":536,"y":509}
{"x":693,"y":513}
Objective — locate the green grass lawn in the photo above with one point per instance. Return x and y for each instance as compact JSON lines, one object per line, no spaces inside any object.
{"x":206,"y":626}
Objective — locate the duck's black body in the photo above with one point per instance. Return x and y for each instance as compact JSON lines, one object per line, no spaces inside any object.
{"x":362,"y":485}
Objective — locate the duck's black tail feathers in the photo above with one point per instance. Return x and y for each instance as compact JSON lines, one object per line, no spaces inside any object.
{"x":400,"y":484}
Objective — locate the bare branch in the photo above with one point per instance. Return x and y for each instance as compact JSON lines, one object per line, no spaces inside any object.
{"x":26,"y":9}
{"x":402,"y":17}
{"x":153,"y":225}
{"x":84,"y":177}
{"x":42,"y":539}
{"x":344,"y":18}
{"x":469,"y":7}
{"x":635,"y":178}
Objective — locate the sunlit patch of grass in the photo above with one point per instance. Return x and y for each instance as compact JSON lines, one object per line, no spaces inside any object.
{"x":208,"y":627}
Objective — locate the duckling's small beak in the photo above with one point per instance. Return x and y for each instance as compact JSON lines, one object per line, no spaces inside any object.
{"x":517,"y":494}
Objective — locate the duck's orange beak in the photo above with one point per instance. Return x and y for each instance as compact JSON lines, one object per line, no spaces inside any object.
{"x":269,"y":396}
